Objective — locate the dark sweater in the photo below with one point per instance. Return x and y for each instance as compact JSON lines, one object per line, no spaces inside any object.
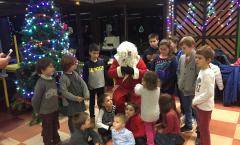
{"x":94,"y":74}
{"x":167,"y":72}
{"x":149,"y":51}
{"x":72,"y":86}
{"x":80,"y":137}
{"x":45,"y":98}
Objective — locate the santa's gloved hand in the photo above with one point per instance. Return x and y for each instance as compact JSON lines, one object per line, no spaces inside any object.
{"x":124,"y":70}
{"x":129,"y":70}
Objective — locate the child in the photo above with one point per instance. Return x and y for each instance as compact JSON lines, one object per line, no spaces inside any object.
{"x":149,"y":92}
{"x":168,"y":130}
{"x":121,"y":135}
{"x":174,"y":40}
{"x":165,"y":65}
{"x":151,"y":53}
{"x":73,"y":88}
{"x":135,"y":123}
{"x":45,"y":101}
{"x":187,"y":74}
{"x":94,"y":76}
{"x":204,"y":93}
{"x":105,"y":117}
{"x":83,"y":131}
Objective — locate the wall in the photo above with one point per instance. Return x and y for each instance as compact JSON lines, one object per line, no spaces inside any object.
{"x":219,"y":30}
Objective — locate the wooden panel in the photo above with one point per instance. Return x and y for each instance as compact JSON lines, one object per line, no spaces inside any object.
{"x":188,"y":26}
{"x":216,"y":33}
{"x":227,"y":45}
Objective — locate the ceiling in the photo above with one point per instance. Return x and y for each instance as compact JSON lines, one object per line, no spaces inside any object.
{"x":15,"y":7}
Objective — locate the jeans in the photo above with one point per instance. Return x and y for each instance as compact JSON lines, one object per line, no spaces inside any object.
{"x":187,"y":107}
{"x":99,"y":92}
{"x":168,"y":139}
{"x":106,"y":135}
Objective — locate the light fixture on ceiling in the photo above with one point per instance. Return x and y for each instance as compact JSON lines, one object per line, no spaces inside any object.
{"x":77,"y":2}
{"x":160,"y":4}
{"x":1,"y":2}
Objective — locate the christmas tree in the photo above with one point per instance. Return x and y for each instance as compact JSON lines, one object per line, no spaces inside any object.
{"x":44,"y":35}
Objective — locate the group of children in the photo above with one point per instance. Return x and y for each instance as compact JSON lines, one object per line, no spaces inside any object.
{"x":185,"y":72}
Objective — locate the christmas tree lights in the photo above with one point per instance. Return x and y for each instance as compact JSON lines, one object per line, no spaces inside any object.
{"x":211,"y":14}
{"x":43,"y":36}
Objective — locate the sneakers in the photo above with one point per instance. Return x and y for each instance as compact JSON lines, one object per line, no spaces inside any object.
{"x":186,"y":129}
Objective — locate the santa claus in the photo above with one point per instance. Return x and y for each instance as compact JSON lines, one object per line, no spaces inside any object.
{"x":127,"y":70}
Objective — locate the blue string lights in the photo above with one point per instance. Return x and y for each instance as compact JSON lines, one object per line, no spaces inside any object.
{"x":43,"y":36}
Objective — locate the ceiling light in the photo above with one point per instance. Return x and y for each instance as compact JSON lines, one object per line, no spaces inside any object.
{"x":77,"y":3}
{"x":160,"y":4}
{"x":1,"y":2}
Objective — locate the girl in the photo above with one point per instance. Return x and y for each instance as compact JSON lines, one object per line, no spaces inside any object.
{"x":73,"y":89}
{"x":83,"y":131}
{"x":149,"y":92}
{"x":168,"y":130}
{"x":165,"y":65}
{"x":105,"y":117}
{"x":135,"y":124}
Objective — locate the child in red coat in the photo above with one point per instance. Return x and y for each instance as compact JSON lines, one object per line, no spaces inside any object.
{"x":135,"y":124}
{"x":168,"y":128}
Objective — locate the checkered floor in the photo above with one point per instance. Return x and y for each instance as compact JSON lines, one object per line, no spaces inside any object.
{"x":14,"y":130}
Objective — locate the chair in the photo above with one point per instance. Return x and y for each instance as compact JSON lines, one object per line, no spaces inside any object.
{"x":10,"y":68}
{"x":14,"y":67}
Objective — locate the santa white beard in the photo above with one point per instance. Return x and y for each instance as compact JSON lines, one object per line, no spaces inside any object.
{"x":131,"y":61}
{"x":123,"y":57}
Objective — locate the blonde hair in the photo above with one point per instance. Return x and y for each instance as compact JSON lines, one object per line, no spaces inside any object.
{"x":187,"y":40}
{"x":122,"y":117}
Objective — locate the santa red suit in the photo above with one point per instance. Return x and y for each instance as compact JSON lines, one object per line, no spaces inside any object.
{"x":127,"y":70}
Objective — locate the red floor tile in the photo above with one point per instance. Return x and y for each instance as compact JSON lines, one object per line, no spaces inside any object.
{"x":236,"y":142}
{"x":11,"y":124}
{"x":26,"y":116}
{"x":222,"y":128}
{"x":2,"y":137}
{"x":24,"y":132}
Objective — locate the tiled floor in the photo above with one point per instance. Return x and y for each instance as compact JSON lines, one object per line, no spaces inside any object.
{"x":225,"y":128}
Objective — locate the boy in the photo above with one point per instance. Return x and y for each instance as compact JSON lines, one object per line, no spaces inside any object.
{"x":121,"y":135}
{"x":94,"y":75}
{"x":174,"y":46}
{"x":73,"y":88}
{"x":204,"y":92}
{"x":83,"y":131}
{"x":151,"y":53}
{"x":187,"y":73}
{"x":45,"y":101}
